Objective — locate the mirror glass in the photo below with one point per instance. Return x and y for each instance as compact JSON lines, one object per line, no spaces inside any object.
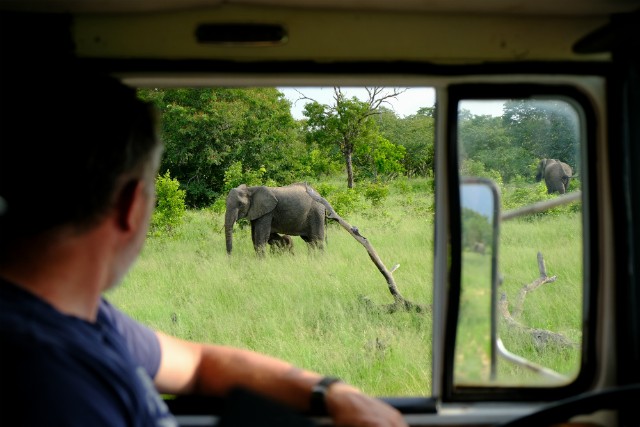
{"x":531,"y":150}
{"x":479,"y":208}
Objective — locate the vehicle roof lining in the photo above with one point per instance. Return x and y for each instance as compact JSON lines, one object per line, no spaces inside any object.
{"x":502,"y":7}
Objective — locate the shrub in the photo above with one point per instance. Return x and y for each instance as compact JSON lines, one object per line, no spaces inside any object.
{"x":375,"y":193}
{"x":344,"y":202}
{"x":516,"y":197}
{"x":170,"y":205}
{"x":470,"y":167}
{"x":325,"y":188}
{"x":234,"y":176}
{"x":322,"y":164}
{"x":220,"y":205}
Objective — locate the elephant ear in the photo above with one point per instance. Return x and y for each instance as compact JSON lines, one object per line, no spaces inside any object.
{"x":262,"y":202}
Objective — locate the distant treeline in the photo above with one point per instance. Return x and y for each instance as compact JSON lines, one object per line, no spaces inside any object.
{"x":217,"y":137}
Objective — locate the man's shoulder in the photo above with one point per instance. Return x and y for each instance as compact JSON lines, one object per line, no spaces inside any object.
{"x":57,"y":367}
{"x":23,"y":314}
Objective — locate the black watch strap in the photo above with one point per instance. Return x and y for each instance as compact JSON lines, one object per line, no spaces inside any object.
{"x":318,"y":404}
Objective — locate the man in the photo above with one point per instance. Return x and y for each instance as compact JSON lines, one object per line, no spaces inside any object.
{"x":78,"y":162}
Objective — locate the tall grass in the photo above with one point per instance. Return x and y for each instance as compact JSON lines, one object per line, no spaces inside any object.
{"x":554,"y":306}
{"x":308,"y":308}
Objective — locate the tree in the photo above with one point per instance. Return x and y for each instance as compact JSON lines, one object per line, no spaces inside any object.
{"x":347,"y":123}
{"x":415,"y":133}
{"x":476,"y":228}
{"x":379,"y":157}
{"x":527,"y":131}
{"x":483,"y":140}
{"x":206,"y":130}
{"x":544,"y":129}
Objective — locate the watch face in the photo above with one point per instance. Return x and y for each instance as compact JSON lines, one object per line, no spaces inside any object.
{"x":318,"y":393}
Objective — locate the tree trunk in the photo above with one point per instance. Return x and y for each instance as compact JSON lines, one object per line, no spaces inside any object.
{"x":347,"y":159}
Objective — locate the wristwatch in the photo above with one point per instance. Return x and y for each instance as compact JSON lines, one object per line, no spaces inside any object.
{"x":318,"y":404}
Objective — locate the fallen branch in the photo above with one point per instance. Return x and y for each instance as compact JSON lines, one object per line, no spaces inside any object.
{"x":533,"y":285}
{"x":541,"y":337}
{"x":399,"y":301}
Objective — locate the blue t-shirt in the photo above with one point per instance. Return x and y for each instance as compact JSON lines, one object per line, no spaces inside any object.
{"x":59,"y":370}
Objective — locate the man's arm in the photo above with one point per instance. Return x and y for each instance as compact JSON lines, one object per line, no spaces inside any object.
{"x":190,"y":368}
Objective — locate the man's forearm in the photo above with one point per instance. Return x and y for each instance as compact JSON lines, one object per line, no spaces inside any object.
{"x":190,"y":368}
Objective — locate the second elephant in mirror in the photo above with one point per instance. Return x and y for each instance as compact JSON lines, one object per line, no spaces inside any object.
{"x":287,"y":210}
{"x":556,"y":175}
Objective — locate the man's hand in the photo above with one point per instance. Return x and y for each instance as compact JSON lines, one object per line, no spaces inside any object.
{"x":349,"y":407}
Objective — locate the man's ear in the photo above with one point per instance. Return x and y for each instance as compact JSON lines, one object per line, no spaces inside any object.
{"x":130,"y":205}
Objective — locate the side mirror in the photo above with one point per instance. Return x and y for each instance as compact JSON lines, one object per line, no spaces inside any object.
{"x":480,"y":226}
{"x":481,"y":218}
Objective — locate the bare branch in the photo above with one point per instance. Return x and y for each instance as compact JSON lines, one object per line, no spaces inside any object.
{"x":541,"y":337}
{"x":399,"y":301}
{"x":377,"y":98}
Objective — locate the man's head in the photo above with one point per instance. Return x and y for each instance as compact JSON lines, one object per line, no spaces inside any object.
{"x":70,"y":144}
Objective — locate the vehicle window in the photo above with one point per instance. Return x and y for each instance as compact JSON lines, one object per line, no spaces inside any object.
{"x":531,"y":150}
{"x":369,"y":153}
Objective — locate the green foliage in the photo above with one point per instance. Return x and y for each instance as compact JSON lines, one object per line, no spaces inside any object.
{"x":476,"y":228}
{"x":517,"y":196}
{"x":349,"y":125}
{"x":345,"y":202}
{"x":380,"y":158}
{"x":375,"y":193}
{"x":527,"y":131}
{"x":323,"y":163}
{"x":325,"y":188}
{"x":475,"y":168}
{"x":206,"y":130}
{"x":416,"y":134}
{"x":545,"y":129}
{"x":234,"y":176}
{"x":170,"y":206}
{"x":220,"y":205}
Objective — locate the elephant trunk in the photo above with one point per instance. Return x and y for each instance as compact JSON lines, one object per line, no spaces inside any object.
{"x":229,"y":219}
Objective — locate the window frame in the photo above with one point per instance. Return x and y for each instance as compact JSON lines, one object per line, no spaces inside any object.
{"x":591,"y":262}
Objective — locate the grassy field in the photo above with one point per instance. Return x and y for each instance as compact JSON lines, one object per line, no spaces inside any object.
{"x":309,"y":308}
{"x":554,"y":306}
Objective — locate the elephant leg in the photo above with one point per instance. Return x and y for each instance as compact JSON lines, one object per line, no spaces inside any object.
{"x":260,"y":231}
{"x":313,"y":242}
{"x":549,"y":186}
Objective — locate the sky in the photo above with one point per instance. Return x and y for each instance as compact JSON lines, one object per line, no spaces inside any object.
{"x":478,"y":197}
{"x":404,"y":105}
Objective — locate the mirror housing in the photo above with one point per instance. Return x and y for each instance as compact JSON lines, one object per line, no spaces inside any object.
{"x":480,"y":216}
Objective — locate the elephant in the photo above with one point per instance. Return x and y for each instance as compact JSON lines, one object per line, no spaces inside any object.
{"x":280,"y":243}
{"x":556,"y":175}
{"x":479,"y":247}
{"x":288,"y":210}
